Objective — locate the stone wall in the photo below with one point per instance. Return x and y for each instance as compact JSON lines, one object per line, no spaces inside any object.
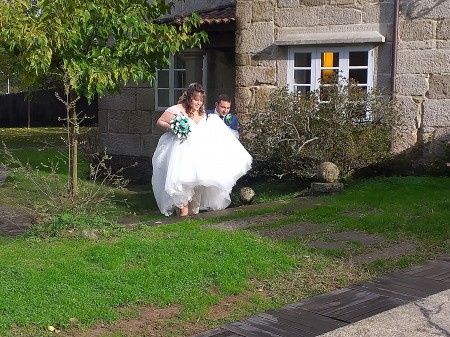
{"x":261,"y":64}
{"x":127,"y":130}
{"x":423,"y":75}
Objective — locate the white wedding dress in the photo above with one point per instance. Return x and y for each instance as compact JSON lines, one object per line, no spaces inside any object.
{"x":200,"y":170}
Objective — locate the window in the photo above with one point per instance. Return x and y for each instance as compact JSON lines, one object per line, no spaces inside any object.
{"x":170,"y":83}
{"x":312,"y":69}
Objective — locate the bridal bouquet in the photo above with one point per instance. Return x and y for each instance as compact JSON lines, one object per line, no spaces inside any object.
{"x":180,"y":126}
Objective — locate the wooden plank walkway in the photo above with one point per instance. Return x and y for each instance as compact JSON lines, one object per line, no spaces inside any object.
{"x":320,"y":314}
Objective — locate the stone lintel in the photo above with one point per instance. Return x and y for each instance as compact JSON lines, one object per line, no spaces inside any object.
{"x":331,"y":38}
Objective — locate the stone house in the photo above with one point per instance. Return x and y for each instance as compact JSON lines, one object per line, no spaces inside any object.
{"x":256,"y":45}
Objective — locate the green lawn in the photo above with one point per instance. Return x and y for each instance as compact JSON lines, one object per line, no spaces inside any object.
{"x":33,"y":137}
{"x":189,"y":265}
{"x":42,"y":148}
{"x":395,"y":207}
{"x":50,"y":280}
{"x":47,"y":282}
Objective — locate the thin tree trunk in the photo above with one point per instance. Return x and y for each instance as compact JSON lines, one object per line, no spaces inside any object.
{"x":73,"y":153}
{"x":72,"y":135}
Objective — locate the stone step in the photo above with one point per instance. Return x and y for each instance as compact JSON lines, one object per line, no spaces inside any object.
{"x":319,"y":244}
{"x":292,"y":230}
{"x":341,"y":240}
{"x":362,"y":237}
{"x":394,"y":251}
{"x":265,"y":219}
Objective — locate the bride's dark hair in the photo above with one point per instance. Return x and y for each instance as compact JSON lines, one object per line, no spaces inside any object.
{"x":188,"y":95}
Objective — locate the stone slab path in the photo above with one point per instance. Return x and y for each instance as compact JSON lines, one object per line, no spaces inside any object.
{"x":14,"y":221}
{"x":336,"y":245}
{"x":343,"y":307}
{"x":378,"y":248}
{"x":292,"y":231}
{"x":394,"y":251}
{"x":364,"y":238}
{"x":245,"y":223}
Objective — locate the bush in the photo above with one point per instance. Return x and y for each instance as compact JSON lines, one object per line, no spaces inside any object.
{"x":49,"y":196}
{"x":292,"y":133}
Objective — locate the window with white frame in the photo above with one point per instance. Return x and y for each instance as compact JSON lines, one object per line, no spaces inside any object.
{"x":170,"y":83}
{"x":312,"y":69}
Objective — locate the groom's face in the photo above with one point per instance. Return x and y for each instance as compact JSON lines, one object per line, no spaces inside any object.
{"x":223,"y":107}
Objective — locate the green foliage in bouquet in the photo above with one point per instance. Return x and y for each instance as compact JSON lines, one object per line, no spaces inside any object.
{"x":180,"y":126}
{"x":291,"y":133}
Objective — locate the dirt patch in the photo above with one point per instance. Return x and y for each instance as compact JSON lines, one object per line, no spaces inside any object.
{"x":265,"y":219}
{"x":395,"y":251}
{"x":158,"y":322}
{"x":364,"y":238}
{"x":292,"y":231}
{"x":150,"y":322}
{"x":14,"y":221}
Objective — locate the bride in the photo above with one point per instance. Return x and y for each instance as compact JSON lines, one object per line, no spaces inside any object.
{"x":197,"y":172}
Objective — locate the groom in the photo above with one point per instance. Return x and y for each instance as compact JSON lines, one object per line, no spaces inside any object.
{"x":222,"y":109}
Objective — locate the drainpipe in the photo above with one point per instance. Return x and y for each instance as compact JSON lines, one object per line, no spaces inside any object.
{"x":395,"y":47}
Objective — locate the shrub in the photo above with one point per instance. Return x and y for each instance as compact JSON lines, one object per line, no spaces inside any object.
{"x":291,"y":133}
{"x":50,"y":197}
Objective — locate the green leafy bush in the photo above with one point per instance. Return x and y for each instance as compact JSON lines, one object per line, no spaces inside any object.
{"x":292,"y":133}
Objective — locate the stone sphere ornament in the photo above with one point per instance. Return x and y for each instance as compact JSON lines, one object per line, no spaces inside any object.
{"x":247,"y":195}
{"x":327,"y":172}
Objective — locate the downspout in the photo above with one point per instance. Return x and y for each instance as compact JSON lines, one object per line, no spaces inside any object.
{"x":395,"y":48}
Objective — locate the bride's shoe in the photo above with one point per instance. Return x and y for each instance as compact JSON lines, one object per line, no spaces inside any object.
{"x":182,"y":212}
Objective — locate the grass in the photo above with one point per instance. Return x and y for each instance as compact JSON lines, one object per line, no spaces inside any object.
{"x":396,"y":207}
{"x":33,"y":137}
{"x":49,"y":281}
{"x":270,"y":189}
{"x":41,"y":148}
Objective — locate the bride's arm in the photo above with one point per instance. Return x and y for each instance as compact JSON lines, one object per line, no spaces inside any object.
{"x":163,"y":122}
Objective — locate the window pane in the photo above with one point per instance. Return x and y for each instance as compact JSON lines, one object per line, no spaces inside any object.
{"x":358,"y":75}
{"x":330,"y":59}
{"x":179,"y":62}
{"x":302,"y":60}
{"x":163,"y":97}
{"x":163,"y":78}
{"x":302,"y":76}
{"x":302,"y":89}
{"x":180,"y":79}
{"x":329,"y":76}
{"x":359,"y":58}
{"x":177,"y":94}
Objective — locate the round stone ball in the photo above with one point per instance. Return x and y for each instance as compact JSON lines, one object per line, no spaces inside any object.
{"x":327,"y":172}
{"x":247,"y":195}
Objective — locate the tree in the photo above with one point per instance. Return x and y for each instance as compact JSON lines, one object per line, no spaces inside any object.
{"x":88,"y":48}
